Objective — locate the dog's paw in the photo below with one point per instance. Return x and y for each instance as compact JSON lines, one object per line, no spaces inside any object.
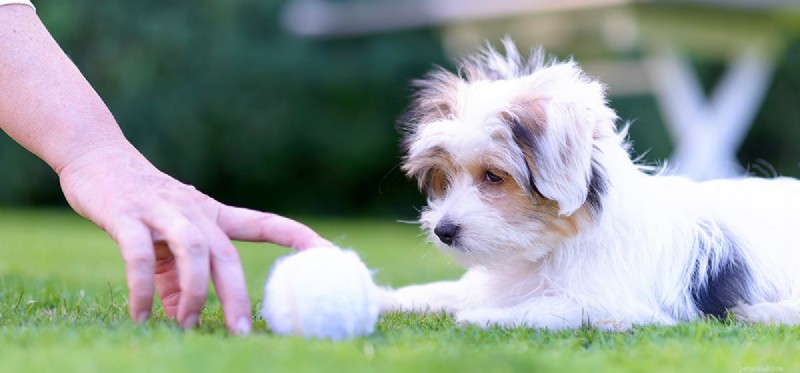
{"x":389,"y":301}
{"x":508,"y":318}
{"x":783,"y":312}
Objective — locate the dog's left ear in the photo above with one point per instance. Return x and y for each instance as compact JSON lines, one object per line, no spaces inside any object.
{"x":555,"y":128}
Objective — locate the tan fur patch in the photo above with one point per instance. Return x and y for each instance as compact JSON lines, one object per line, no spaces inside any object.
{"x":431,"y":169}
{"x":530,"y":112}
{"x":517,"y":206}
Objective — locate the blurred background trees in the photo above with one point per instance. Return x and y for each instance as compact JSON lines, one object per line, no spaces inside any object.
{"x":219,"y":95}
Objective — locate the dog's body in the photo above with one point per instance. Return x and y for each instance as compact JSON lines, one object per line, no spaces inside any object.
{"x":532,"y":188}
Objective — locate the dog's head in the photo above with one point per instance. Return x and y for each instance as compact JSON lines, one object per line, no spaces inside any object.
{"x":506,"y":152}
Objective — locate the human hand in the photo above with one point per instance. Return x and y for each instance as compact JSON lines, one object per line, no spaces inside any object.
{"x":173,"y":237}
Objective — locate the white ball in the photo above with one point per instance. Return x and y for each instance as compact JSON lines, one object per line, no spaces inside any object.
{"x":325,"y":293}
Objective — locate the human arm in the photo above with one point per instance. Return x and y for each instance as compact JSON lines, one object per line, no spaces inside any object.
{"x":172,"y":237}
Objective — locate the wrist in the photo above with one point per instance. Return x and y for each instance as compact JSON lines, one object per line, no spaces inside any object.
{"x":113,"y":154}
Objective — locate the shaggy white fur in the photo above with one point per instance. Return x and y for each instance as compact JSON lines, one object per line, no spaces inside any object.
{"x":531,"y":186}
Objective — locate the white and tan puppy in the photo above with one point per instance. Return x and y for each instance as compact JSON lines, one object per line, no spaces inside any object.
{"x":531,"y":186}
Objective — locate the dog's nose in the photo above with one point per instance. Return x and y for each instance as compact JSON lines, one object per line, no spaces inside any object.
{"x":446,"y":232}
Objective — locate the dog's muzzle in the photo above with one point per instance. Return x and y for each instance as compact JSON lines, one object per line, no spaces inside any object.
{"x":447,"y":232}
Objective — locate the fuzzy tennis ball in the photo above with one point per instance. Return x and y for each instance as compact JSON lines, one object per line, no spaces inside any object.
{"x":325,"y":293}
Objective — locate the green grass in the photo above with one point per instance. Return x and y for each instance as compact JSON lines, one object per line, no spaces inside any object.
{"x":63,"y":308}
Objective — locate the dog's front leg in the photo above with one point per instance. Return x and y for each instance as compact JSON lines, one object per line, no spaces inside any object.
{"x":553,"y":313}
{"x":447,"y":296}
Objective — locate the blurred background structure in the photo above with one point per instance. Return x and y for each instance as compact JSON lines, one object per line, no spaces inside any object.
{"x":290,"y":106}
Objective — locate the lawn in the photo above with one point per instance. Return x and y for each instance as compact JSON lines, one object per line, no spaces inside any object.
{"x":63,"y":308}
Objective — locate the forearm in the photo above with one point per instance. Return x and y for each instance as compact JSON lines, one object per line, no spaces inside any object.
{"x":45,"y":102}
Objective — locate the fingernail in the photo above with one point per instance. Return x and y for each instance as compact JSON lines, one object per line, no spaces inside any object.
{"x":243,"y":326}
{"x":191,"y":321}
{"x":142,"y":317}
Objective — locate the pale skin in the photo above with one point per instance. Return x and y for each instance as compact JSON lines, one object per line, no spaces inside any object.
{"x":172,"y":237}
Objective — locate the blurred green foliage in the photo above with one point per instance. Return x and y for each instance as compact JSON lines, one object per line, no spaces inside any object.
{"x":217,"y":94}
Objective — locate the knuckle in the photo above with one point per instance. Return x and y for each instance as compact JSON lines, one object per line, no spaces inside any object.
{"x":139,"y":258}
{"x":121,"y":228}
{"x":195,"y":247}
{"x":226,"y":254}
{"x":189,"y":241}
{"x":137,"y":293}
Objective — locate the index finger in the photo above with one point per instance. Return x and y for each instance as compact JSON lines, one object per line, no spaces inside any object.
{"x":249,"y":225}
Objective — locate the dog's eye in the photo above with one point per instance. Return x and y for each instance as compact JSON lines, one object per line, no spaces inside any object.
{"x":492,"y":177}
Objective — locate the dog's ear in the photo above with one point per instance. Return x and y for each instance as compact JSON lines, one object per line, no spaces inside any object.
{"x":554,"y":124}
{"x":434,"y":100}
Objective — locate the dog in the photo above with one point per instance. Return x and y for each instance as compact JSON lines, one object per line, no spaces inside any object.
{"x":531,"y":186}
